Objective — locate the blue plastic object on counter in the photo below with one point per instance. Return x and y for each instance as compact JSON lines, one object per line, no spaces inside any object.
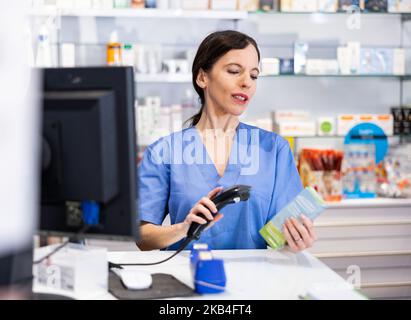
{"x":195,"y":251}
{"x":210,"y":276}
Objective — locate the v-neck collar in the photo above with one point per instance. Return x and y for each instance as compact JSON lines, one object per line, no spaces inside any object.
{"x":232,"y":171}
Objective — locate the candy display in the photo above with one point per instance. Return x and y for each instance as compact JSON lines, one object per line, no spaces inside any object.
{"x":321,"y":169}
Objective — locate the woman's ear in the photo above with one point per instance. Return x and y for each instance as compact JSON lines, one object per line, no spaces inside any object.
{"x":202,"y":79}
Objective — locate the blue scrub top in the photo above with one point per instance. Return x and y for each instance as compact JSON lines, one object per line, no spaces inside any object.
{"x":176,"y":172}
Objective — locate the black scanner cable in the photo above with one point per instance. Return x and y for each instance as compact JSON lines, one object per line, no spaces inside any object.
{"x":231,"y":195}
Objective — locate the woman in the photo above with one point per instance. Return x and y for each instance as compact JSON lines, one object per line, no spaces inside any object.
{"x":179,"y":174}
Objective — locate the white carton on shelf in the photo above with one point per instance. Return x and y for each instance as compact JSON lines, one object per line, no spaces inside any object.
{"x":346,"y":121}
{"x":399,"y":5}
{"x":223,"y":4}
{"x":270,"y":66}
{"x":304,"y":5}
{"x":68,"y":55}
{"x":290,"y":115}
{"x":248,"y":5}
{"x":384,"y":121}
{"x":194,"y":4}
{"x":327,"y":5}
{"x":399,"y":61}
{"x":343,"y":60}
{"x":295,"y":128}
{"x":322,"y":66}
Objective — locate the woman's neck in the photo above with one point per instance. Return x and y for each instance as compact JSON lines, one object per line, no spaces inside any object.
{"x":211,"y":121}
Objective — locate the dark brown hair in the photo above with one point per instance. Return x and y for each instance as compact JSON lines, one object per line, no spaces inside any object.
{"x":213,"y":47}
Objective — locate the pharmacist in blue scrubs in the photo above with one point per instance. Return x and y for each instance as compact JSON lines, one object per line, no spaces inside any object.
{"x":180,"y":173}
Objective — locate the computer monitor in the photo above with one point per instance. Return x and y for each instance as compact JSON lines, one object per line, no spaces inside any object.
{"x":89,"y":153}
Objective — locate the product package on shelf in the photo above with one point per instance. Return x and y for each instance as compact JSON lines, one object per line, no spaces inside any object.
{"x":402,"y":120}
{"x":223,"y":4}
{"x":195,"y":4}
{"x":376,"y":5}
{"x":248,"y":5}
{"x":327,"y":5}
{"x":321,"y":169}
{"x":351,"y":5}
{"x":359,"y":175}
{"x":347,"y":121}
{"x":394,"y":173}
{"x":399,"y":5}
{"x":269,"y":5}
{"x":290,"y":123}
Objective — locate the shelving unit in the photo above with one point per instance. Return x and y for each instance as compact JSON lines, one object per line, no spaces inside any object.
{"x":143,"y":13}
{"x":187,"y":78}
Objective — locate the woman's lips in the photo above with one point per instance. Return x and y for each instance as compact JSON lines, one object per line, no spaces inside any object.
{"x":240,"y":98}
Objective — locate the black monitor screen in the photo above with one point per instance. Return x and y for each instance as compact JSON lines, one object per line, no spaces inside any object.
{"x":89,"y":152}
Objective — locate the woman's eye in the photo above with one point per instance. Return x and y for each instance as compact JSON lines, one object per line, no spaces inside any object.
{"x":254,"y":77}
{"x":233,"y":71}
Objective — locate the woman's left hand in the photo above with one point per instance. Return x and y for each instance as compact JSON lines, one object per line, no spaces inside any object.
{"x":299,"y":236}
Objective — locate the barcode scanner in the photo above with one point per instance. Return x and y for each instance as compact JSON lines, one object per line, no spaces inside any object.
{"x":231,"y":195}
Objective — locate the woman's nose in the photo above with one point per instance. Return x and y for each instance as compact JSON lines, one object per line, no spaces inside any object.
{"x":246,"y":81}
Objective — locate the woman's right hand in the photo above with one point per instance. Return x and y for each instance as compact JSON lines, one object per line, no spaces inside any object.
{"x":204,"y":206}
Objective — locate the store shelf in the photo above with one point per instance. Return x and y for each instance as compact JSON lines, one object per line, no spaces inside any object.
{"x":143,"y":13}
{"x":370,"y":203}
{"x":182,"y":78}
{"x":286,"y":13}
{"x":163,"y":78}
{"x":403,"y":77}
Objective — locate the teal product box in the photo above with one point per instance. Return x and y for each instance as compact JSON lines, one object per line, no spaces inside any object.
{"x":307,"y":202}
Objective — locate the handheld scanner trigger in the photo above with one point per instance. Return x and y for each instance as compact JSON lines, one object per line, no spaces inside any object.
{"x":231,"y":195}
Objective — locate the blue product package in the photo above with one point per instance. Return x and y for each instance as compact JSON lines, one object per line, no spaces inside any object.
{"x":307,"y":202}
{"x":210,"y":276}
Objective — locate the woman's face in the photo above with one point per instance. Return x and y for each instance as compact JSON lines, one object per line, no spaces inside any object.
{"x":231,"y":83}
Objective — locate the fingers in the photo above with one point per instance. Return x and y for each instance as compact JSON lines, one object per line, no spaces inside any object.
{"x":302,"y":230}
{"x":209,"y":204}
{"x":193,"y":217}
{"x":310,"y":227}
{"x":290,"y":240}
{"x":214,"y":192}
{"x":297,"y":238}
{"x":199,"y":208}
